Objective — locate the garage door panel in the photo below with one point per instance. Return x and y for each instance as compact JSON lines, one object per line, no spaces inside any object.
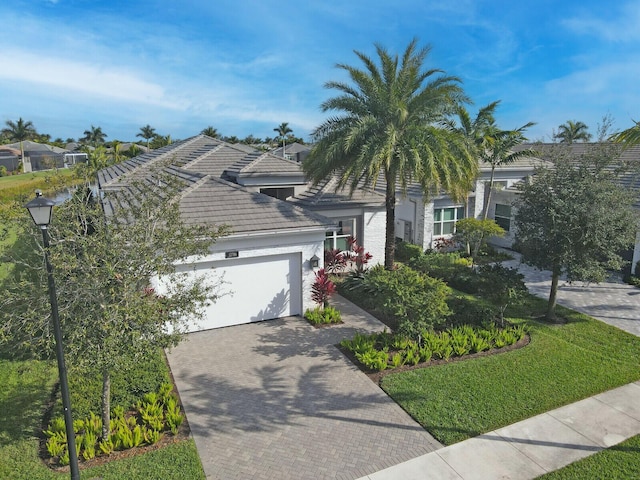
{"x":259,"y":288}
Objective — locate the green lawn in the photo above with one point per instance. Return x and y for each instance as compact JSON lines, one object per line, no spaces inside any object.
{"x":561,"y":365}
{"x":26,"y":389}
{"x":621,"y":462}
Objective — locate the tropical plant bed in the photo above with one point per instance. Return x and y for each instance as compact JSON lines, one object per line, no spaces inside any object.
{"x":183,"y":434}
{"x":377,"y":376}
{"x":166,"y":438}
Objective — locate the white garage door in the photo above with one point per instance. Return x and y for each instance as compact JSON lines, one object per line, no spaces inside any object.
{"x":260,"y":288}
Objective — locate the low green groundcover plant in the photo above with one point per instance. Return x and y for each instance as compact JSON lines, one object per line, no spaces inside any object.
{"x":380,"y":351}
{"x":156,"y":414}
{"x":621,"y":462}
{"x":323,"y":315}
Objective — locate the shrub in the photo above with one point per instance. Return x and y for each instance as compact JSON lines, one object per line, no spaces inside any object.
{"x":323,"y":316}
{"x":441,"y":265}
{"x":406,"y":251}
{"x":409,"y":301}
{"x":471,"y":311}
{"x":502,"y":286}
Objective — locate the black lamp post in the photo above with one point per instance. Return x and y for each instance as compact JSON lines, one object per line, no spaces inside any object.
{"x":41,"y":209}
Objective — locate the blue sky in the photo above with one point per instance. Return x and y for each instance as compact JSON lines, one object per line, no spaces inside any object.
{"x":245,"y":66}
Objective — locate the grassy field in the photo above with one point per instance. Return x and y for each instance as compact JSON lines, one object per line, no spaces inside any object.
{"x":26,"y":389}
{"x":561,"y":365}
{"x":621,"y":462}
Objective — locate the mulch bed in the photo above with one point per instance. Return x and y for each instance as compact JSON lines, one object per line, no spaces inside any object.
{"x":376,"y":377}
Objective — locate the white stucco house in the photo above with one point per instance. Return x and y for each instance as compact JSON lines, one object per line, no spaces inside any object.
{"x":278,"y":223}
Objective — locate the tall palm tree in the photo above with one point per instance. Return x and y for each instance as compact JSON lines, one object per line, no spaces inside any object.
{"x":391,"y":125}
{"x":210,"y":132}
{"x":283,"y":129}
{"x":147,"y":132}
{"x":95,"y":136}
{"x":571,"y":131}
{"x":19,"y":132}
{"x":497,"y":150}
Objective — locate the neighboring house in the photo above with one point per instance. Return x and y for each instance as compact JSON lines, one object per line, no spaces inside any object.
{"x":278,"y":224}
{"x":424,"y":222}
{"x":295,"y":151}
{"x":38,"y":156}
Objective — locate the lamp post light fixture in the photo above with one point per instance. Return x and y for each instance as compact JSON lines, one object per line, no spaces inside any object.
{"x":41,"y":210}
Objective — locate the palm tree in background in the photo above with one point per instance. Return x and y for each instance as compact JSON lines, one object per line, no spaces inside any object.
{"x":628,"y":137}
{"x":94,"y":137}
{"x":283,"y":129}
{"x":498,"y":150}
{"x":210,"y":132}
{"x":19,"y":132}
{"x":391,"y":126}
{"x":570,"y":132}
{"x":147,"y":132}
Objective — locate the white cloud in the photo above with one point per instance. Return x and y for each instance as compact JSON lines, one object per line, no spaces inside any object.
{"x":624,"y":28}
{"x":109,"y":81}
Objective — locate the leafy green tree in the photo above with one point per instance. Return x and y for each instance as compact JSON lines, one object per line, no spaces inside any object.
{"x":570,"y":132}
{"x":474,"y":232}
{"x":390,"y":126}
{"x":147,"y":132}
{"x":103,"y":268}
{"x":283,"y":130}
{"x":94,"y":136}
{"x":574,"y":219}
{"x":19,"y":132}
{"x":210,"y":132}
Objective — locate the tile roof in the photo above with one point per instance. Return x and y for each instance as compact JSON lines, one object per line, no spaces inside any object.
{"x":324,"y":195}
{"x":200,"y":164}
{"x":221,"y":202}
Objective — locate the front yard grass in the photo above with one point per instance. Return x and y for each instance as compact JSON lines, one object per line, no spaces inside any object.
{"x":561,"y":365}
{"x":26,"y":389}
{"x":621,"y":461}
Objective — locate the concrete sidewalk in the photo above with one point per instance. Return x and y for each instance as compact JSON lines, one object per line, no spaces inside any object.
{"x":534,"y":446}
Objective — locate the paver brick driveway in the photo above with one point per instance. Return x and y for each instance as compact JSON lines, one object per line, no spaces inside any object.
{"x":277,"y":400}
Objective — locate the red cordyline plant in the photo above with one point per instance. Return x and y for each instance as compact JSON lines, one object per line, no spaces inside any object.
{"x":357,"y":255}
{"x":322,"y":288}
{"x":336,"y":261}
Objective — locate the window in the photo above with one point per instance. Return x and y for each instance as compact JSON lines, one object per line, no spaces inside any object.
{"x":503,"y":216}
{"x":279,"y":193}
{"x":338,"y":239}
{"x":444,"y":220}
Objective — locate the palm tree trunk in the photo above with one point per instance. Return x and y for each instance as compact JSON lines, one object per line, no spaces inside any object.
{"x":390,"y":235}
{"x":485,"y":210}
{"x":106,"y":404}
